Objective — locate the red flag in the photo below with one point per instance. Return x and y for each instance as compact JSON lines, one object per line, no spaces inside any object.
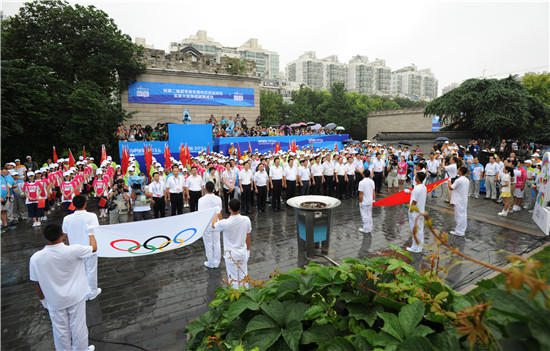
{"x":182,"y":155}
{"x":83,"y":151}
{"x":187,"y":154}
{"x":249,"y":148}
{"x":238,"y":151}
{"x":277,"y":147}
{"x":404,"y":197}
{"x":54,"y":155}
{"x":71,"y":159}
{"x":167,"y":161}
{"x":208,"y":150}
{"x":125,"y":161}
{"x":148,"y":156}
{"x":293,"y":146}
{"x":336,"y":147}
{"x":103,"y":153}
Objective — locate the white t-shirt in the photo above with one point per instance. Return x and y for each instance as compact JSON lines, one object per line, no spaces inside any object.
{"x":59,"y":269}
{"x":77,"y":226}
{"x":194,"y":183}
{"x":304,"y":174}
{"x":340,"y":169}
{"x":276,"y":173}
{"x":350,"y":169}
{"x":245,"y":177}
{"x":157,"y":188}
{"x":432,"y":166}
{"x":260,"y":178}
{"x":378,"y":165}
{"x":290,"y":173}
{"x":210,"y":201}
{"x":235,"y":229}
{"x":328,"y":168}
{"x":316,"y":170}
{"x":506,"y":182}
{"x":419,"y":194}
{"x":451,"y":170}
{"x":460,"y":187}
{"x":366,"y":186}
{"x":175,"y":185}
{"x":492,"y":169}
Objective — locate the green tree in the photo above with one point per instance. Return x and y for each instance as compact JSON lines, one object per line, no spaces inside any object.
{"x":271,"y":107}
{"x":538,"y":84}
{"x":63,"y":69}
{"x":490,"y":108}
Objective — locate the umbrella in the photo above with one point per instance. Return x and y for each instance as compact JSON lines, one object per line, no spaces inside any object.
{"x":405,"y":143}
{"x":366,"y":141}
{"x":349,"y":141}
{"x":355,"y":142}
{"x":330,"y":126}
{"x":283,"y":127}
{"x":442,"y":138}
{"x":311,"y":123}
{"x":302,"y":124}
{"x":340,"y":128}
{"x":294,"y":125}
{"x":315,"y":127}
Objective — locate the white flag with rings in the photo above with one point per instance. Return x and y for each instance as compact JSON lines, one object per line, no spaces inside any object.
{"x":151,"y":236}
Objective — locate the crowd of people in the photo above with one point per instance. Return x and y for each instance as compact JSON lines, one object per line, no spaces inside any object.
{"x":136,"y":132}
{"x":238,"y":186}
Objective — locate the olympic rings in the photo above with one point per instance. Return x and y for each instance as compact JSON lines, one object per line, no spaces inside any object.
{"x":152,"y":248}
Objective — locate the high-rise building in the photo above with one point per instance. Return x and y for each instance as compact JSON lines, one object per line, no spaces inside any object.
{"x":449,"y":87}
{"x":360,"y":75}
{"x":382,"y":77}
{"x":267,"y":62}
{"x":413,"y":83}
{"x":333,"y":71}
{"x":307,"y":69}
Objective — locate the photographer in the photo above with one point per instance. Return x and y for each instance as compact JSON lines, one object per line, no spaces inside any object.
{"x":392,"y":172}
{"x":141,"y":202}
{"x":118,"y":203}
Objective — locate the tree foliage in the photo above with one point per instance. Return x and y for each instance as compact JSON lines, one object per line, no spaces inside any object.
{"x":491,"y":108}
{"x":63,"y":69}
{"x":348,"y":109}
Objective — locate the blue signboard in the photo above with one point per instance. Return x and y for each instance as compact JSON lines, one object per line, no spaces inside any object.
{"x":186,"y":94}
{"x":198,"y":137}
{"x":436,"y":124}
{"x":266,"y":144}
{"x":136,"y":148}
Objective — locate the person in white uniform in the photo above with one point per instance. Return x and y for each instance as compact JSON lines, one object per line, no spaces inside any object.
{"x":60,"y":276}
{"x":211,"y":238}
{"x":236,"y":244}
{"x":418,"y":199}
{"x":77,"y":226}
{"x":366,"y":189}
{"x":459,"y":198}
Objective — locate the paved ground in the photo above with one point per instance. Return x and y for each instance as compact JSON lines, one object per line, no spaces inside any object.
{"x":147,"y":301}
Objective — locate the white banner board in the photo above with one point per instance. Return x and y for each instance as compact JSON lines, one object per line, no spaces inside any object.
{"x":152,"y":236}
{"x":541,"y":212}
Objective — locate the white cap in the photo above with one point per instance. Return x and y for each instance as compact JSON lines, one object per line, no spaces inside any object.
{"x":13,"y":172}
{"x":38,"y":171}
{"x":99,"y":171}
{"x":66,"y":174}
{"x":160,"y":169}
{"x":30,"y":174}
{"x":109,"y":158}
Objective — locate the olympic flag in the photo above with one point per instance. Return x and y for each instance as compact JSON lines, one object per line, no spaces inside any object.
{"x":152,"y":236}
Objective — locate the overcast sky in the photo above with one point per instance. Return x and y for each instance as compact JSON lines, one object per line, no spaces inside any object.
{"x":456,"y":39}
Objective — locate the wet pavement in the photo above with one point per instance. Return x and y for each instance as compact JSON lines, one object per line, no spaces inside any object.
{"x":147,"y":301}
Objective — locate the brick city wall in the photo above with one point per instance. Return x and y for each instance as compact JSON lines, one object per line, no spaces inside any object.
{"x":153,"y":113}
{"x":409,"y":120}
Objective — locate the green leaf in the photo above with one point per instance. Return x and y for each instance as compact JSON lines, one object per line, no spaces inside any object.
{"x":275,"y":310}
{"x":314,"y":312}
{"x":540,"y":333}
{"x":416,"y":343}
{"x":318,"y":334}
{"x":410,"y":316}
{"x":237,"y":307}
{"x":262,"y":338}
{"x":446,"y":341}
{"x":292,"y":334}
{"x":260,"y":322}
{"x":365,"y":313}
{"x":294,"y":311}
{"x":421,"y":330}
{"x":337,"y":344}
{"x":391,"y":325}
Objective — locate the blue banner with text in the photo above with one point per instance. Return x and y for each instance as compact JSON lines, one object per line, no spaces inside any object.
{"x":187,"y":94}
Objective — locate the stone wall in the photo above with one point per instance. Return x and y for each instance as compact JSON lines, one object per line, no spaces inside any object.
{"x":153,"y":113}
{"x":407,"y":120}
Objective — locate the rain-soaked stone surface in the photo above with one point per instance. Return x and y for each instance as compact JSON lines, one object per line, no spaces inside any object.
{"x":148,"y":300}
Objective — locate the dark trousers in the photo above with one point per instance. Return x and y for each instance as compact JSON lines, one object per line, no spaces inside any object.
{"x":262,"y":196}
{"x":159,"y":208}
{"x":276,"y":194}
{"x":341,"y":186}
{"x":290,"y":189}
{"x":176,"y":203}
{"x":317,"y":187}
{"x":227,"y":195}
{"x":329,"y":185}
{"x":142,"y":216}
{"x":194,"y":197}
{"x":378,"y":181}
{"x":351,"y":186}
{"x":358,"y":178}
{"x":304,"y":190}
{"x":246,"y":198}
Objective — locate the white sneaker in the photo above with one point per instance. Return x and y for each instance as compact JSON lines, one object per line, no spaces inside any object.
{"x":414,"y":250}
{"x":34,"y":224}
{"x":452,"y":232}
{"x":91,"y":348}
{"x":45,"y":218}
{"x":503,"y":213}
{"x":94,"y":295}
{"x":362,"y":230}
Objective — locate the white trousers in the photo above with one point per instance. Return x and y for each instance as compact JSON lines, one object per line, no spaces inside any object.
{"x":419,"y":230}
{"x":70,"y":332}
{"x":366,"y":217}
{"x":212,"y":248}
{"x":461,"y":218}
{"x":90,"y":264}
{"x":236,"y":265}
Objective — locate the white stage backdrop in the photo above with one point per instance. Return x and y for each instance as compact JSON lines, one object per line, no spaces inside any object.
{"x":152,"y":236}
